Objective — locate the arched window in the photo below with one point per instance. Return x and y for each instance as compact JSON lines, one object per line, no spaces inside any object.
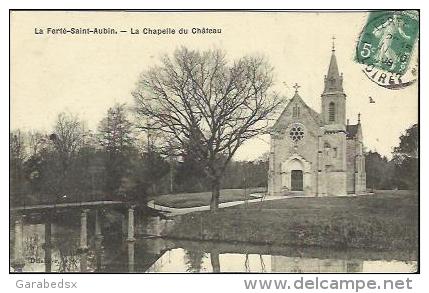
{"x":295,"y":112}
{"x":327,"y":148}
{"x":334,"y":155}
{"x":331,"y":112}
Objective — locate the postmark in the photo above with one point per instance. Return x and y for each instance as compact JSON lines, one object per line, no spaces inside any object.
{"x":387,"y":48}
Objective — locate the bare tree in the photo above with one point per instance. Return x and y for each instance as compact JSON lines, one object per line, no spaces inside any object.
{"x":204,"y":104}
{"x":17,"y":145}
{"x":116,"y":138}
{"x":36,"y":142}
{"x":17,"y":156}
{"x":116,"y":130}
{"x":68,"y":137}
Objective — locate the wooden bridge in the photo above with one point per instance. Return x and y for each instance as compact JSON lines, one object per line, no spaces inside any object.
{"x":86,"y":204}
{"x":48,"y":211}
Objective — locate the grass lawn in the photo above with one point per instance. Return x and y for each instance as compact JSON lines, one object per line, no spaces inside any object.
{"x":186,"y":200}
{"x":387,"y":220}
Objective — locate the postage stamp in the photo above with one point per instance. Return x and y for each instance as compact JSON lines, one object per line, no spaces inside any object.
{"x":387,"y":48}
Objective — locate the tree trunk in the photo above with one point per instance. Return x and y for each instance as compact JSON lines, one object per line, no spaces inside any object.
{"x":214,"y":203}
{"x":214,"y":258}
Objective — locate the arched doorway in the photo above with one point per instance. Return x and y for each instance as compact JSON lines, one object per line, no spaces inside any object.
{"x":296,"y":180}
{"x":296,"y":175}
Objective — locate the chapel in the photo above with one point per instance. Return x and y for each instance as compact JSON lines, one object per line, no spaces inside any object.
{"x":317,"y":154}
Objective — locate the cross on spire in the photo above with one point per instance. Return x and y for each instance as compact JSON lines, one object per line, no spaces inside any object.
{"x":296,"y":87}
{"x":333,"y":43}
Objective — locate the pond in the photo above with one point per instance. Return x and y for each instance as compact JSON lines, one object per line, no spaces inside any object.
{"x":56,"y":246}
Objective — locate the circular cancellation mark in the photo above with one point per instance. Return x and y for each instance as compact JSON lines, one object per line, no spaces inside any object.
{"x":387,"y":48}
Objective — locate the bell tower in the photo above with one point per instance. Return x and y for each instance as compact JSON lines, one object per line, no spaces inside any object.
{"x":333,"y":97}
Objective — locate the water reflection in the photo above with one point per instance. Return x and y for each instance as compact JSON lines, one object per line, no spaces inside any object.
{"x":176,"y":260}
{"x":314,"y":265}
{"x":108,"y":245}
{"x":130,"y":250}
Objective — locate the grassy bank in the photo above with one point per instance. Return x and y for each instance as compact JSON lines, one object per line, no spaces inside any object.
{"x":384,"y":221}
{"x":186,"y":200}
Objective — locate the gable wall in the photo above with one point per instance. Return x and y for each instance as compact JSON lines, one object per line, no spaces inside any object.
{"x":282,"y":146}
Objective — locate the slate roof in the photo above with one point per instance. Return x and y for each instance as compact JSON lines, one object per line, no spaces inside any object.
{"x":314,"y":114}
{"x":352,"y":130}
{"x":333,"y":81}
{"x":333,"y":71}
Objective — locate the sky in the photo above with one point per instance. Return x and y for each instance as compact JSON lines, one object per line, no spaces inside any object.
{"x":87,"y":74}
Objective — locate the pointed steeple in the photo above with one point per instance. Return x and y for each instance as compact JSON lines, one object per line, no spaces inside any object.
{"x":333,"y":97}
{"x":333,"y":80}
{"x":333,"y":67}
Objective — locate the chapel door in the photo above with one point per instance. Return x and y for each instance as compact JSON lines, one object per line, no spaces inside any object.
{"x":296,"y":180}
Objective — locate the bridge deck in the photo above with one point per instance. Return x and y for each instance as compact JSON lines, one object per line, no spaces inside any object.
{"x":65,"y":205}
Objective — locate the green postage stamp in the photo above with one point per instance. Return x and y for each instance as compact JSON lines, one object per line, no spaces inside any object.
{"x":386,"y":46}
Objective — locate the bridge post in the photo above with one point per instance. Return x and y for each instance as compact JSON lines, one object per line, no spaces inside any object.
{"x":47,"y":246}
{"x":18,"y":249}
{"x":98,"y":233}
{"x":131,"y":256}
{"x":131,"y":223}
{"x":99,"y":253}
{"x":83,"y":230}
{"x":83,"y":261}
{"x":124,"y":225}
{"x":98,"y":240}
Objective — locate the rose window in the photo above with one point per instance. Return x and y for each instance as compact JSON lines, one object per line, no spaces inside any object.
{"x":296,"y":132}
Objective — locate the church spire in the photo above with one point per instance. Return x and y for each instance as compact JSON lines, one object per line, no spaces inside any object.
{"x":333,"y":96}
{"x":333,"y":80}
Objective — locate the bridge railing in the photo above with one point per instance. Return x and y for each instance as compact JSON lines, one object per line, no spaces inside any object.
{"x":27,"y":199}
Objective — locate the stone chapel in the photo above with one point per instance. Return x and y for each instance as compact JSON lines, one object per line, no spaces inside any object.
{"x":317,"y":154}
